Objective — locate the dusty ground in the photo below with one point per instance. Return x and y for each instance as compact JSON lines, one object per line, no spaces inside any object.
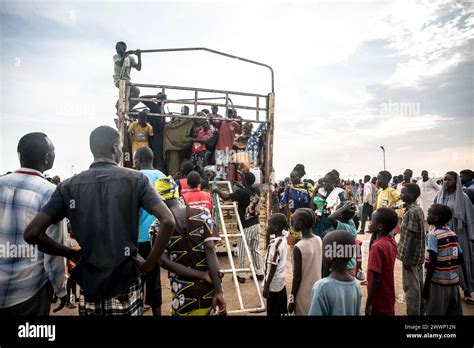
{"x":250,"y":297}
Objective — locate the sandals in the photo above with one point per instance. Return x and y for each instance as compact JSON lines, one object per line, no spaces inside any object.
{"x":260,"y":277}
{"x":469,"y":300}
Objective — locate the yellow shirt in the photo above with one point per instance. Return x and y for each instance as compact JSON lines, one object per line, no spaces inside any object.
{"x":387,"y":198}
{"x":139,"y":135}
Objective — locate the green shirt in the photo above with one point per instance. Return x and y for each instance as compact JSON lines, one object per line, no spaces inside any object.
{"x":349,"y":227}
{"x":122,"y":72}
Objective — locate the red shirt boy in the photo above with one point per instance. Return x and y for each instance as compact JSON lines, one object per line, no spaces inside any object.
{"x":381,"y":264}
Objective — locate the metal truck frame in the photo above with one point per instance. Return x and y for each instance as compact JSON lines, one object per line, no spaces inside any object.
{"x":267,"y":110}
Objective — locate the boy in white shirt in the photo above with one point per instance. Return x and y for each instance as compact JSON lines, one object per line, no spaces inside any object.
{"x":274,"y":289}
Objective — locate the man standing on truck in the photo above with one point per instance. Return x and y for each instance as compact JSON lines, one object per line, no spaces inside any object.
{"x":156,"y":106}
{"x":227,"y":131}
{"x":123,"y":64}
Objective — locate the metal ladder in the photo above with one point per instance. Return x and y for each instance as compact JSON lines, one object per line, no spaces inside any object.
{"x":224,"y":234}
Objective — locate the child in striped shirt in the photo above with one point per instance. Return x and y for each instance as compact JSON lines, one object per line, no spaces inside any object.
{"x":443,"y":257}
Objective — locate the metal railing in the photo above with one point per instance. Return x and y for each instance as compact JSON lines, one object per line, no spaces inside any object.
{"x":197,"y":101}
{"x":181,"y":49}
{"x":268,"y":108}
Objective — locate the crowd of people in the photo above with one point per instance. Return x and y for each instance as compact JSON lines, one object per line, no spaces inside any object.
{"x":118,"y":249}
{"x":225,"y":147}
{"x":117,"y":226}
{"x":425,"y":224}
{"x":110,"y":229}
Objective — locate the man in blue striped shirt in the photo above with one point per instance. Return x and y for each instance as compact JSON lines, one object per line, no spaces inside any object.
{"x":27,"y":276}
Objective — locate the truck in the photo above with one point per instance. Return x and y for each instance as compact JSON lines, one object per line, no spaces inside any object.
{"x":262,"y":113}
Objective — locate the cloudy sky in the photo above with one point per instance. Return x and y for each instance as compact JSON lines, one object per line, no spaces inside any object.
{"x":349,"y":76}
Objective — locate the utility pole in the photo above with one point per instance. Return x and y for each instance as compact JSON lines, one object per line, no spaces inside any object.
{"x":383,"y":149}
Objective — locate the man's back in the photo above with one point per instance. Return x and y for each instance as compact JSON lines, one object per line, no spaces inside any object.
{"x":22,"y":195}
{"x":411,"y":246}
{"x":242,"y":197}
{"x":102,"y":204}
